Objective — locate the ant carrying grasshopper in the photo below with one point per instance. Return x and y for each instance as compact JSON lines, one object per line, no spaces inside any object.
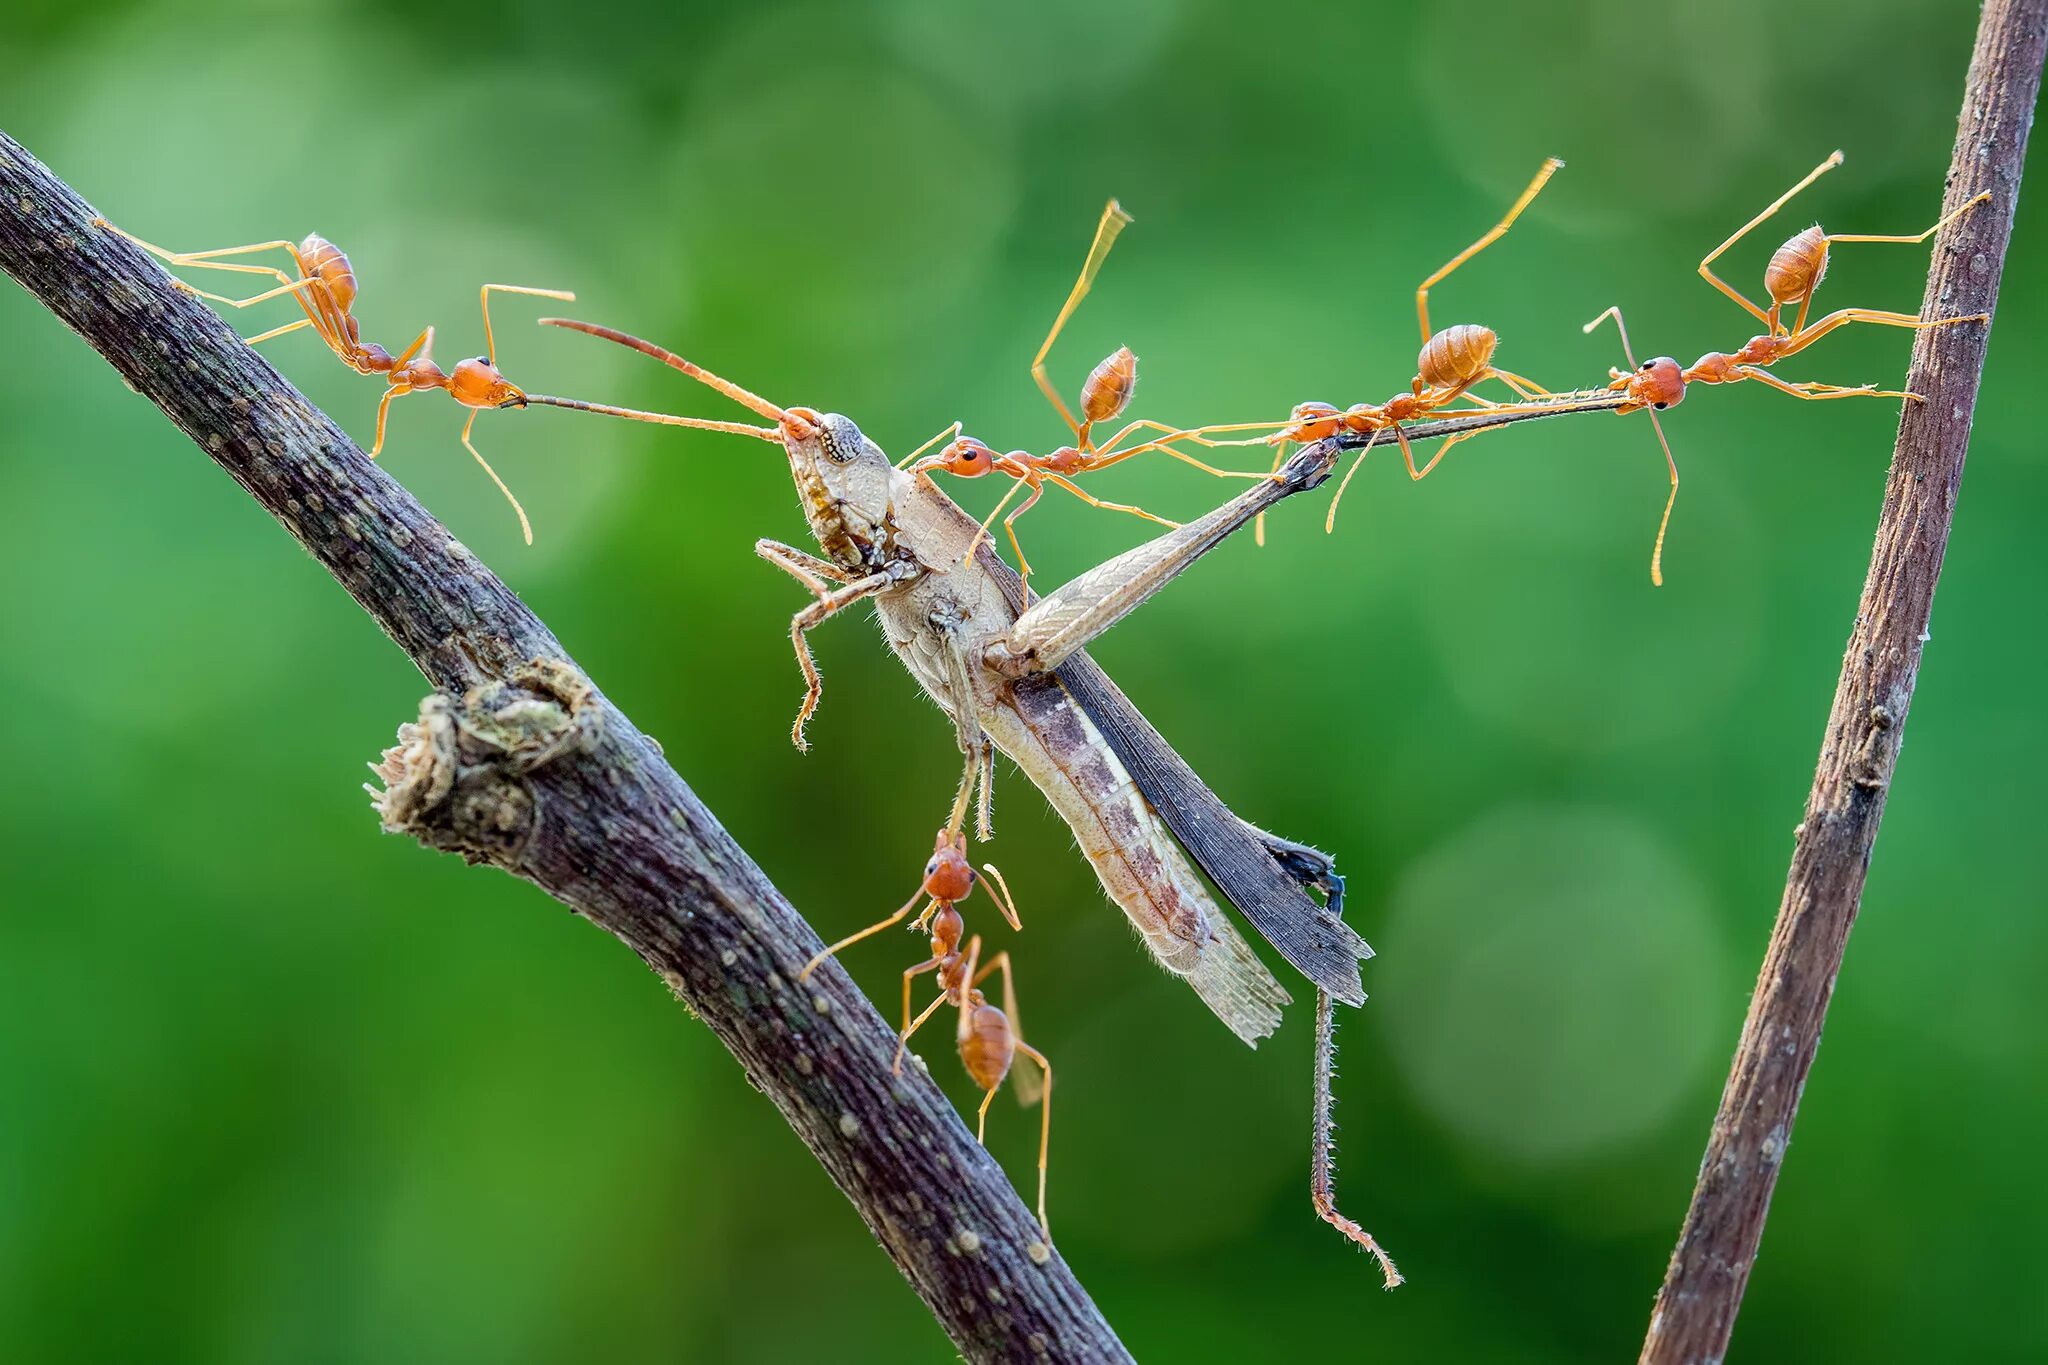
{"x":325,"y":287}
{"x":1012,"y":674}
{"x":1105,"y":393}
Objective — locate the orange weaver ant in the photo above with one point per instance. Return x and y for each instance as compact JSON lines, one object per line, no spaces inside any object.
{"x":1791,"y":278}
{"x":1450,"y":363}
{"x":1105,"y":393}
{"x":989,"y":1039}
{"x":326,"y":289}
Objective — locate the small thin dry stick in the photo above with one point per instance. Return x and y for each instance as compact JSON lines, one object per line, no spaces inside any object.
{"x":1702,"y":1291}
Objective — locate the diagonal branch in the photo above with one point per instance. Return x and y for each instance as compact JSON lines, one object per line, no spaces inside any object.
{"x":1702,"y":1291}
{"x":519,"y":761}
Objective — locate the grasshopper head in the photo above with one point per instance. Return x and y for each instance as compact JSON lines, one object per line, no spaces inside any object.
{"x":845,"y":482}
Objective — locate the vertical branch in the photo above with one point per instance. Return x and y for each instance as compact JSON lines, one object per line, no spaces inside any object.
{"x":1702,"y":1291}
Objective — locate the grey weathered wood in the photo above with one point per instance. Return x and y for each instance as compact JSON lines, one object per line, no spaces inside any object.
{"x":526,"y":766}
{"x":1702,"y":1291}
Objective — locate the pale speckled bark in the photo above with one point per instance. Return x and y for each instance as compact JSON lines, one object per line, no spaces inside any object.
{"x":1702,"y":1291}
{"x":526,"y":766}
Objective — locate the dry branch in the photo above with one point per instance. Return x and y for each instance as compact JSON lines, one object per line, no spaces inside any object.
{"x":518,"y":761}
{"x":1702,"y":1290}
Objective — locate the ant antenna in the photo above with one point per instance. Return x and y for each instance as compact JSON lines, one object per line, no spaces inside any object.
{"x":662,"y":418}
{"x":743,"y":397}
{"x":1004,"y":902}
{"x":1628,"y":353}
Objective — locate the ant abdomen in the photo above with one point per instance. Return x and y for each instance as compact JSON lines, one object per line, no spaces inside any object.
{"x":1107,"y":390}
{"x":1796,"y":268}
{"x":324,"y":260}
{"x":987,"y":1046}
{"x":1456,"y":356}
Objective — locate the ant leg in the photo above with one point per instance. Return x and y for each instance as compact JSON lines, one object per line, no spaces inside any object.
{"x":1094,"y":501}
{"x":1817,"y":392}
{"x":525,"y":526}
{"x":981,"y":532}
{"x":1107,"y":454}
{"x":1259,"y":521}
{"x":383,"y":411}
{"x":1322,"y":1162}
{"x":877,"y":927}
{"x":277,"y":331}
{"x":1044,"y":1126}
{"x":1441,"y":451}
{"x":945,"y":434}
{"x":1834,"y":160}
{"x":484,"y":296}
{"x":912,"y":1026}
{"x":1671,"y":463}
{"x":806,"y":620}
{"x":1010,"y":528}
{"x":291,"y":286}
{"x":1114,"y":220}
{"x":1802,"y":339}
{"x":1524,"y":387}
{"x":209,"y":260}
{"x":1551,"y":166}
{"x":424,"y":341}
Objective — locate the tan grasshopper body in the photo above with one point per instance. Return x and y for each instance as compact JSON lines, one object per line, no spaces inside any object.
{"x":896,"y":538}
{"x":1012,"y":674}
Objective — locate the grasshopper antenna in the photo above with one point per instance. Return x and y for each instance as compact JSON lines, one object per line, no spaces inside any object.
{"x":661,"y":418}
{"x":744,"y":397}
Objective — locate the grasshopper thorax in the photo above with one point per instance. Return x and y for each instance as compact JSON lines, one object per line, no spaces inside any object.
{"x":845,"y":482}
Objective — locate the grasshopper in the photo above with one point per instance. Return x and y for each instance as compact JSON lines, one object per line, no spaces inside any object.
{"x":1012,"y":673}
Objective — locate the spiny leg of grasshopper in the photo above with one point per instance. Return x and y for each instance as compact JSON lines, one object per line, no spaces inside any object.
{"x":813,"y":573}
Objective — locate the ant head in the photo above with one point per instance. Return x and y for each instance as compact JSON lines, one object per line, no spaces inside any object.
{"x":476,"y":383}
{"x":847,"y":484}
{"x":1310,"y":422}
{"x":949,"y":876}
{"x":1657,"y":384}
{"x":966,"y":457}
{"x":1107,"y":390}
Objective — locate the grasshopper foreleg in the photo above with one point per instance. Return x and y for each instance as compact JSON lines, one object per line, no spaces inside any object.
{"x":812,"y":573}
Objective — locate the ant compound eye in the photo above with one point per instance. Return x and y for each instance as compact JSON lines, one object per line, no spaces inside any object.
{"x":931,"y":867}
{"x":1647,"y":365}
{"x":1660,"y":406}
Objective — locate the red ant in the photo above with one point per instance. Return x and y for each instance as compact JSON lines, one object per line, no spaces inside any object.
{"x":1105,"y":393}
{"x":326,"y":289}
{"x":989,"y":1039}
{"x":1791,"y":278}
{"x":1450,"y":363}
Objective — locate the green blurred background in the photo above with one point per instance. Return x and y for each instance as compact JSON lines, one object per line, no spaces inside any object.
{"x":275,"y":1087}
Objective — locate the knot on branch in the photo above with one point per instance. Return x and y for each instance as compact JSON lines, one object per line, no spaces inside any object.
{"x":457,"y":779}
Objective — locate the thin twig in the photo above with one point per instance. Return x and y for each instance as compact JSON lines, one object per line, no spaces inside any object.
{"x":518,"y":761}
{"x":1696,"y":1308}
